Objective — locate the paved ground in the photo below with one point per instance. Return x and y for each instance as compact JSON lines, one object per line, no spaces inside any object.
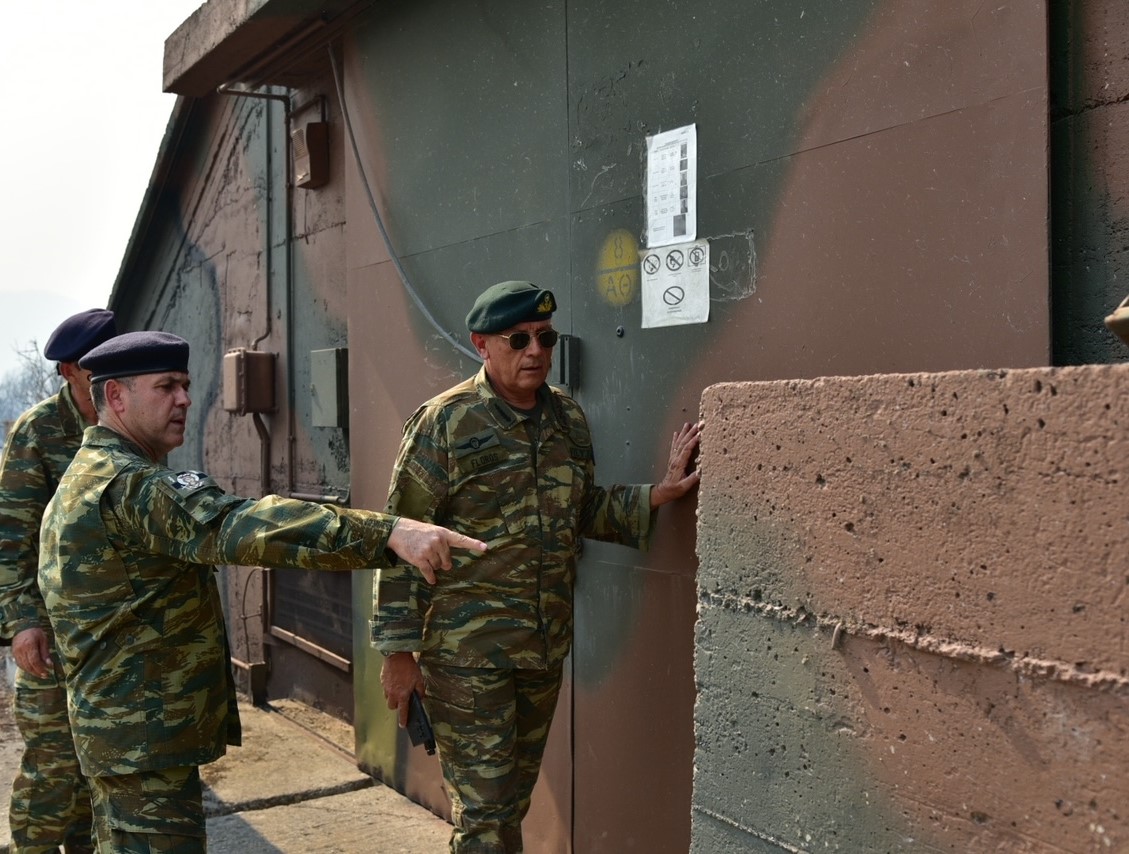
{"x":291,"y":787}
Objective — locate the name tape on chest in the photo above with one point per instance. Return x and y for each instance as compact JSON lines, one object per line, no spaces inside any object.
{"x":477,"y":443}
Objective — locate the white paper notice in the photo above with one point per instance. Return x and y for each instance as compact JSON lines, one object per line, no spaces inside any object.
{"x":676,"y":284}
{"x":672,"y":186}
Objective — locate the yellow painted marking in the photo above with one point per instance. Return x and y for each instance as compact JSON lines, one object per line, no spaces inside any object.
{"x":617,"y":268}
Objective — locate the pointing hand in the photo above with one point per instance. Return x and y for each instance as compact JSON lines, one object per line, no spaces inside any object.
{"x":428,"y":547}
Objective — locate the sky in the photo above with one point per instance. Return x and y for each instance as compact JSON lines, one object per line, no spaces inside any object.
{"x":84,"y":116}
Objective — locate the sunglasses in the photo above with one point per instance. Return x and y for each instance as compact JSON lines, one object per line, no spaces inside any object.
{"x":547,"y":338}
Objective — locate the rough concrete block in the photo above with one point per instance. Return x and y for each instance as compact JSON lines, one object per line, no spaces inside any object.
{"x":781,"y":733}
{"x":912,"y":630}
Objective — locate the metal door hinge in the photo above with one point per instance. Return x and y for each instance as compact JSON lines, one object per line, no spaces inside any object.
{"x":568,"y":363}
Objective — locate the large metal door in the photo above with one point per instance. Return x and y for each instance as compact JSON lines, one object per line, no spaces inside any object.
{"x":872,"y":183}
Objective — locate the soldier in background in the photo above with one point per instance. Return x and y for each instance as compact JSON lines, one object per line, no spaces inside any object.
{"x":50,"y":804}
{"x":128,"y":578}
{"x":508,"y":459}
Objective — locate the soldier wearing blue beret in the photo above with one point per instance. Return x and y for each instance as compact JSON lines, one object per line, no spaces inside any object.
{"x":79,"y":334}
{"x":135,"y":354}
{"x":127,"y":568}
{"x":507,"y":458}
{"x":50,"y":802}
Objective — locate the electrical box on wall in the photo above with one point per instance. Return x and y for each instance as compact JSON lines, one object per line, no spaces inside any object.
{"x":310,"y":144}
{"x":248,"y":381}
{"x":329,"y":387}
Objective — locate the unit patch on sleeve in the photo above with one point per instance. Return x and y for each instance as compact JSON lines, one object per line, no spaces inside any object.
{"x":186,"y":481}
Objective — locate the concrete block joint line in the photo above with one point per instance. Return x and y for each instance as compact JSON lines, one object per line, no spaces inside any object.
{"x":1035,"y":668}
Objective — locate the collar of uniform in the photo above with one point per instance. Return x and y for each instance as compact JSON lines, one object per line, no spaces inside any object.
{"x":70,"y":419}
{"x":504,"y":413}
{"x":103,"y":437}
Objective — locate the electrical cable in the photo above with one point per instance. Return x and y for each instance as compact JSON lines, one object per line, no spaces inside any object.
{"x":454,"y":342}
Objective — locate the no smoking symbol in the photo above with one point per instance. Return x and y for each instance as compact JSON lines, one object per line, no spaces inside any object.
{"x":651,"y":264}
{"x":673,"y":295}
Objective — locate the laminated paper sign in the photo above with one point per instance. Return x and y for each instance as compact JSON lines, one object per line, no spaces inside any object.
{"x":676,"y":284}
{"x":672,"y":186}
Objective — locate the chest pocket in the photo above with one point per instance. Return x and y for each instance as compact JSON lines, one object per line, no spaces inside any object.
{"x":481,"y":451}
{"x":493,"y":486}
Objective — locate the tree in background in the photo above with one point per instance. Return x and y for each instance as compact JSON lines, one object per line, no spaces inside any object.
{"x":25,"y":385}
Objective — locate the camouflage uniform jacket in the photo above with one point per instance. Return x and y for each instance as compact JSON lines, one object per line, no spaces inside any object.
{"x":470,"y":462}
{"x":39,"y":448}
{"x":128,"y":548}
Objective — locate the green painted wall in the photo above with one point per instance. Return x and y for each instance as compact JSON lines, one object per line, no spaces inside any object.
{"x":1089,"y":41}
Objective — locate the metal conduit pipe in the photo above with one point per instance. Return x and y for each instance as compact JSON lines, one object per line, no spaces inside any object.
{"x":260,"y":427}
{"x":257,"y":670}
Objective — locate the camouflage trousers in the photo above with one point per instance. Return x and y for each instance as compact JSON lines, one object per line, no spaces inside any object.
{"x":490,"y":726}
{"x":151,"y":812}
{"x":50,"y":804}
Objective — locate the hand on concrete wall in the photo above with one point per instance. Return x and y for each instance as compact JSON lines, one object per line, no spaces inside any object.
{"x":679,"y":478}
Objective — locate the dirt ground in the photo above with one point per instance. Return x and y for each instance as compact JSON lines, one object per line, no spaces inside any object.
{"x":11,"y":745}
{"x":292,"y":787}
{"x":335,"y":733}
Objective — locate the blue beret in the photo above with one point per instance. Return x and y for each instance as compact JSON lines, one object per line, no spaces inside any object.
{"x":136,"y":353}
{"x":78,"y":334}
{"x":507,"y":304}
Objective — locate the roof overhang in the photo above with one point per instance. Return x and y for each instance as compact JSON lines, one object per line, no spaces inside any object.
{"x":251,"y":42}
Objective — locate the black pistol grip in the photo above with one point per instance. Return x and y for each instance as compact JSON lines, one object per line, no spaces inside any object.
{"x":419,"y":727}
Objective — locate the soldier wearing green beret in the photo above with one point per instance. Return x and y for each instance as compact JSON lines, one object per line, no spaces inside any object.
{"x":508,"y":459}
{"x":50,"y":803}
{"x":127,"y":567}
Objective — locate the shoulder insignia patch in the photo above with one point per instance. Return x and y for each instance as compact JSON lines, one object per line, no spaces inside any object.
{"x":188,"y":479}
{"x":580,"y":438}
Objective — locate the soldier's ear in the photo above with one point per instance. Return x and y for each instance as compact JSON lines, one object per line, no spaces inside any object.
{"x":479,"y":342}
{"x":115,"y":397}
{"x":69,"y":370}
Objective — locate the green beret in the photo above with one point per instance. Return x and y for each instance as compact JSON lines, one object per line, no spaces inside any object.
{"x":136,"y":353}
{"x":507,"y":304}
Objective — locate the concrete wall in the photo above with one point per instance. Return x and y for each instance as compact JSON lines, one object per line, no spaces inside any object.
{"x":912,"y":613}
